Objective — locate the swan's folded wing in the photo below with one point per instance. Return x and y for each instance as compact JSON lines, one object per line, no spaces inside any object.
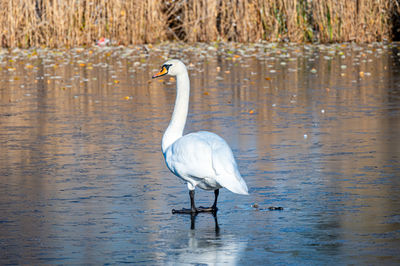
{"x":190,"y":156}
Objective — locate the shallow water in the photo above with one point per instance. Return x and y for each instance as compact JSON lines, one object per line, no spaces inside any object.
{"x":314,"y":129}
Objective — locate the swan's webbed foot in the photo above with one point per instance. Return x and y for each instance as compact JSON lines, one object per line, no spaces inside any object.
{"x":207,"y":209}
{"x":196,"y":210}
{"x":183,"y":211}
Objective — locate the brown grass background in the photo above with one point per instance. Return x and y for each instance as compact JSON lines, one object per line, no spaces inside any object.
{"x":60,"y":23}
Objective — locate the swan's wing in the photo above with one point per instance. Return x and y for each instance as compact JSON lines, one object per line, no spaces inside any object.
{"x":190,"y":158}
{"x":204,"y":155}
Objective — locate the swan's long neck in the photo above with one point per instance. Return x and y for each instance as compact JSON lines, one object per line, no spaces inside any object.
{"x":178,"y":119}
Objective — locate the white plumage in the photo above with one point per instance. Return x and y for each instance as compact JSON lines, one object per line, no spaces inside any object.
{"x":202,"y":159}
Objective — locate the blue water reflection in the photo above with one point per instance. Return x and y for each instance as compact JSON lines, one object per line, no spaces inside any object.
{"x":83,"y":180}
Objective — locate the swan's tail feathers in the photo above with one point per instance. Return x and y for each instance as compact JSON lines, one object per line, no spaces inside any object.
{"x":225,"y":167}
{"x":235,"y":184}
{"x":239,"y":187}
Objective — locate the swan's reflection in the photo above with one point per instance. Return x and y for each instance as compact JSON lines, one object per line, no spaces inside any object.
{"x":193,"y":222}
{"x":208,"y":245}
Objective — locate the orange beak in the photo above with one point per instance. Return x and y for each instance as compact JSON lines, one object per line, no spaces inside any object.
{"x":162,"y":72}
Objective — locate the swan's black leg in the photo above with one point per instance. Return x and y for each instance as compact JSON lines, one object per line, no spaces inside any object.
{"x":216,"y":193}
{"x":213,"y":208}
{"x":193,"y":208}
{"x":192,"y":205}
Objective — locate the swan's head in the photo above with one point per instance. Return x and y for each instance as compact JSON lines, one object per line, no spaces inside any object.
{"x":172,"y":67}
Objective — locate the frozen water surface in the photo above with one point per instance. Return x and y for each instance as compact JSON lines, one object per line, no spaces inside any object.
{"x":315,"y":130}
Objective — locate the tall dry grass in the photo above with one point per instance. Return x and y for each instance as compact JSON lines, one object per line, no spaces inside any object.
{"x":360,"y":21}
{"x":53,"y":23}
{"x":79,"y":22}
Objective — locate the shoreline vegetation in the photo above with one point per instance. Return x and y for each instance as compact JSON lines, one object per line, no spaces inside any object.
{"x":70,"y":23}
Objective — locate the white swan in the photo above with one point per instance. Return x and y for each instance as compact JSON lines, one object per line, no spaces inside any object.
{"x":201,"y":158}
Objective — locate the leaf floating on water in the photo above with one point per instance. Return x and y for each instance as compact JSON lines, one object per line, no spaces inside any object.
{"x":206,"y":93}
{"x":267,"y":78}
{"x":361,"y":74}
{"x":251,"y":112}
{"x":116,"y":81}
{"x":128,"y":97}
{"x":273,"y":208}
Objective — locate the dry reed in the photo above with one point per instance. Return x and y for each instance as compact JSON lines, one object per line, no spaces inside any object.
{"x":53,"y":23}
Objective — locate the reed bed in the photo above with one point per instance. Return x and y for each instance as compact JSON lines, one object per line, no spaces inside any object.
{"x":55,"y":23}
